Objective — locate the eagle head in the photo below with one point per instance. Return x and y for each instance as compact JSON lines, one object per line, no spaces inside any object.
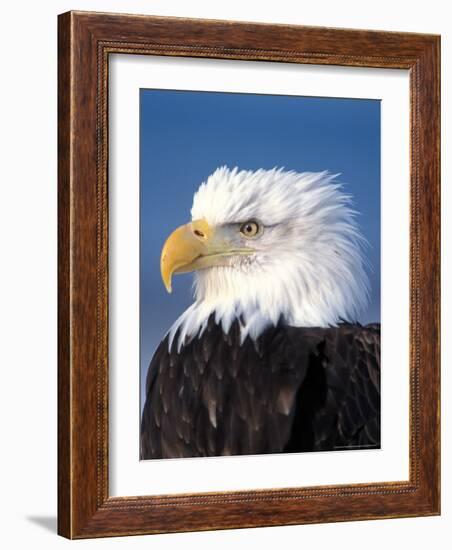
{"x":268,"y":247}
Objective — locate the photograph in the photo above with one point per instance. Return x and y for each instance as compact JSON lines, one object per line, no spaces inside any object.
{"x":224,"y":237}
{"x":260,"y":280}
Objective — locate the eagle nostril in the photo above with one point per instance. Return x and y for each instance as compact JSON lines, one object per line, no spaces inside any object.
{"x":199,"y":233}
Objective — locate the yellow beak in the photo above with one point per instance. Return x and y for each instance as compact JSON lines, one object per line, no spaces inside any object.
{"x":193,"y":246}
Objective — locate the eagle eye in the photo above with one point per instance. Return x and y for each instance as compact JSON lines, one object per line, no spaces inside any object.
{"x":249,"y":229}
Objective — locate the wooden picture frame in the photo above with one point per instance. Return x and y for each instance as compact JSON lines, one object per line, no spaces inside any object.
{"x":85,"y":42}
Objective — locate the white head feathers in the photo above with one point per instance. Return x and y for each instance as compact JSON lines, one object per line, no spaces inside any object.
{"x":308,"y":266}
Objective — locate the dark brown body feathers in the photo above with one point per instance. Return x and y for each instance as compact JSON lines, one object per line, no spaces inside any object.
{"x":293,"y":390}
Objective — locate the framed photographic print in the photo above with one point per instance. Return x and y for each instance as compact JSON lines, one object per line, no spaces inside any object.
{"x":248,"y":275}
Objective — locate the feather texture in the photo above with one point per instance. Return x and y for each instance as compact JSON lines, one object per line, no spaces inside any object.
{"x":291,"y":390}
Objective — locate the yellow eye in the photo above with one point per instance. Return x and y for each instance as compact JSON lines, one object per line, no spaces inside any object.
{"x":249,"y":229}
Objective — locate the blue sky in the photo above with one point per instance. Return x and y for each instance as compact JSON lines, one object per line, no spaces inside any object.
{"x":185,"y":135}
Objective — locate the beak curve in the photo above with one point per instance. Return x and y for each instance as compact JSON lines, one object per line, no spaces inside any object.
{"x":185,"y":244}
{"x":195,"y":245}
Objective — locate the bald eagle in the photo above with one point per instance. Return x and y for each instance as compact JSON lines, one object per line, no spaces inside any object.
{"x":267,"y":358}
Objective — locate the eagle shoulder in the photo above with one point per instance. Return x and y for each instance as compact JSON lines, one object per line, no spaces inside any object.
{"x":291,"y":390}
